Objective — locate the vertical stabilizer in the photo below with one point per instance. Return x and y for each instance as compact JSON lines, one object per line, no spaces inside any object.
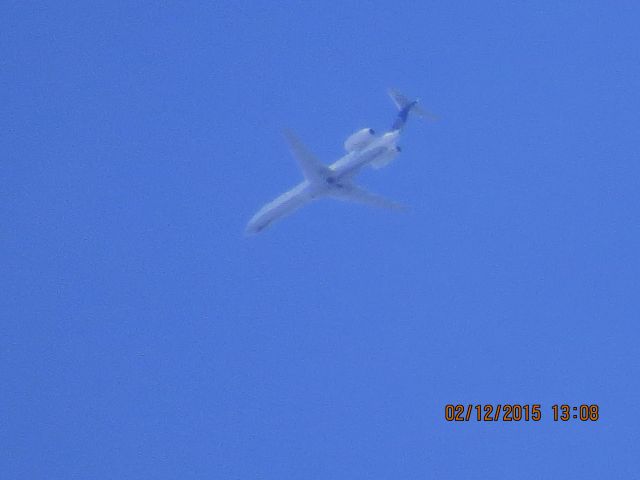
{"x":404,"y":105}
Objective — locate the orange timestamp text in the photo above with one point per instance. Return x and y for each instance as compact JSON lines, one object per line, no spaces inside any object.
{"x":515,"y":412}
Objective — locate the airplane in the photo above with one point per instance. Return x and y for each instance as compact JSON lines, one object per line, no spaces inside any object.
{"x":336,"y":180}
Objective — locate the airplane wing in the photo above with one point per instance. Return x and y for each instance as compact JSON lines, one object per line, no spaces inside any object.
{"x":312,"y":168}
{"x":358,"y":194}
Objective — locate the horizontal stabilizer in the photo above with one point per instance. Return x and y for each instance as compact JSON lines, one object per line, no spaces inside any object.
{"x":406,"y":105}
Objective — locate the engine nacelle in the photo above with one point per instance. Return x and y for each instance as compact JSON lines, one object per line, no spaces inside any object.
{"x":385,"y":158}
{"x":359,"y":140}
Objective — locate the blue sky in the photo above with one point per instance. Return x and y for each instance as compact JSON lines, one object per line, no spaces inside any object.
{"x":144,"y":336}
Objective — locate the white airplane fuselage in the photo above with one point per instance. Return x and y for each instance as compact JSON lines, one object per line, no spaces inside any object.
{"x":341,"y":172}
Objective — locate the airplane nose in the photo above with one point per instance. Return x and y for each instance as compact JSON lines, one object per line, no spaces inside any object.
{"x":250,"y":230}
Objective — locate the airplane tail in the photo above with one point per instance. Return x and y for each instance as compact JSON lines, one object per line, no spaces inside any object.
{"x":405,"y":105}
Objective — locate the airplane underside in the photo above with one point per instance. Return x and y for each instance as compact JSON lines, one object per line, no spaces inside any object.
{"x":336,"y":180}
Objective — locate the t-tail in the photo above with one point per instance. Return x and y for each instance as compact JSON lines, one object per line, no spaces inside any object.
{"x":405,"y":105}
